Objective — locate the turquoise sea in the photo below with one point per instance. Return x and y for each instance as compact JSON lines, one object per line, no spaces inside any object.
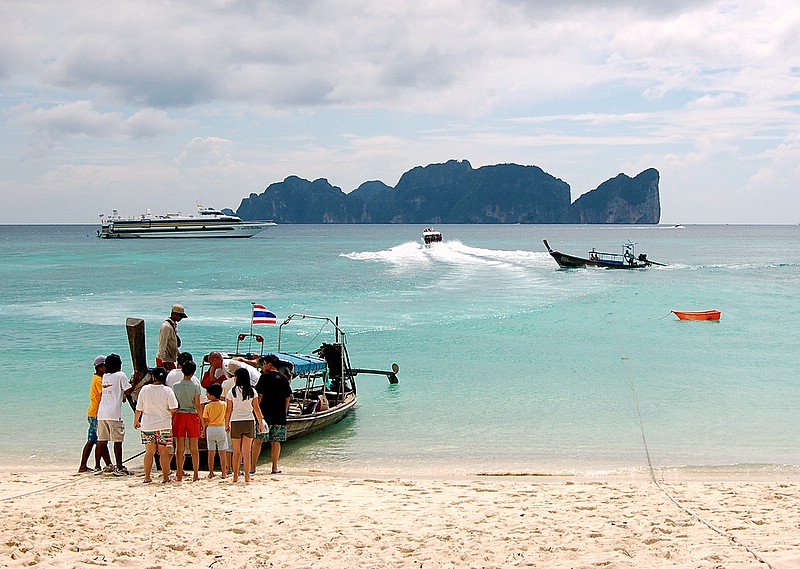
{"x":507,"y":364}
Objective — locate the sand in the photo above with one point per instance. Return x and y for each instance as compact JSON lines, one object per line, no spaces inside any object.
{"x":312,"y":519}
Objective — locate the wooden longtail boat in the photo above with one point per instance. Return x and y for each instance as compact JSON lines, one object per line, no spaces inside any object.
{"x":625,"y":260}
{"x":323,"y":382}
{"x":698,"y":314}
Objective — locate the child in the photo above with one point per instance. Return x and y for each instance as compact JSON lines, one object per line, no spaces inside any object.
{"x":214,"y":421}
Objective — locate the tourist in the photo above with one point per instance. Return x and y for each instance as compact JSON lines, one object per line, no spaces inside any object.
{"x":110,"y":426}
{"x":168,"y":340}
{"x":243,"y":419}
{"x":95,"y":392}
{"x":274,"y":394}
{"x":176,"y":375}
{"x":214,"y":422}
{"x":188,"y":420}
{"x":216,"y":372}
{"x":154,"y":410}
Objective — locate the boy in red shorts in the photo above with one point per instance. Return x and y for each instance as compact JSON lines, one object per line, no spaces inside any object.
{"x":188,"y":420}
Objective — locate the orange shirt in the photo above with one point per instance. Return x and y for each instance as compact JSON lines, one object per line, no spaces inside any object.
{"x":95,"y":393}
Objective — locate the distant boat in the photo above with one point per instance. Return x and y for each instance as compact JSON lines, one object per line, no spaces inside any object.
{"x":430,"y":235}
{"x":208,"y":222}
{"x":698,"y":314}
{"x":626,"y":260}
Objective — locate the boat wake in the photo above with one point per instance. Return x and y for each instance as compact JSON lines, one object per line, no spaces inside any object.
{"x":453,"y":253}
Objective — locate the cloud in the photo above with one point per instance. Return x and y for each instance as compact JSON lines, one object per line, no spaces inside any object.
{"x":80,"y":118}
{"x":210,"y":91}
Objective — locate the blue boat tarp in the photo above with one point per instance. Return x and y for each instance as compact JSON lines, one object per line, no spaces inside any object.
{"x":303,"y":363}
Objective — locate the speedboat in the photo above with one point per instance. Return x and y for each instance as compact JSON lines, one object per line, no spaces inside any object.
{"x":208,"y":222}
{"x":430,"y":235}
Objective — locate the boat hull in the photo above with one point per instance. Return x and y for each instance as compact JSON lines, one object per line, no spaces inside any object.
{"x":698,"y":314}
{"x":308,"y":424}
{"x":172,"y":231}
{"x":571,"y":262}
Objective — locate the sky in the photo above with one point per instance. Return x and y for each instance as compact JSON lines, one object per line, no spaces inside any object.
{"x":162,"y":105}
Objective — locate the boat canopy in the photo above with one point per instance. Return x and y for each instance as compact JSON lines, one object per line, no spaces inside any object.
{"x":302,"y":363}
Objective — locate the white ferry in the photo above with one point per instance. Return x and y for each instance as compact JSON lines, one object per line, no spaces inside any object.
{"x":208,"y":222}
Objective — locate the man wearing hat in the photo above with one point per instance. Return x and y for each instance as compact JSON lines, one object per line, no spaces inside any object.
{"x":95,"y":392}
{"x":168,"y":340}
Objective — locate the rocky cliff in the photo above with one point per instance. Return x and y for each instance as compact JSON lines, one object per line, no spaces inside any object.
{"x":620,"y":200}
{"x":454,"y":192}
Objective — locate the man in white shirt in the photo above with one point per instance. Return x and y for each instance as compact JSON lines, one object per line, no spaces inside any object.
{"x":110,"y":426}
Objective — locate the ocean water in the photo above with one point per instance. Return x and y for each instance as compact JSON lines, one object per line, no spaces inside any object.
{"x":507,"y":364}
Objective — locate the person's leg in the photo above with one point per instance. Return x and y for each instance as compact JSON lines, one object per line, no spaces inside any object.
{"x":118,"y":455}
{"x":257,"y":442}
{"x":211,"y":458}
{"x":180,"y":447}
{"x":237,"y":457}
{"x":224,"y":465}
{"x":149,"y":457}
{"x":102,"y":449}
{"x":276,"y":454}
{"x":247,"y":449}
{"x":194,"y":448}
{"x":87,"y":450}
{"x":163,"y":453}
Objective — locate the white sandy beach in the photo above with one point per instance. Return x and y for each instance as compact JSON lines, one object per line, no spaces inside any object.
{"x":309,"y":519}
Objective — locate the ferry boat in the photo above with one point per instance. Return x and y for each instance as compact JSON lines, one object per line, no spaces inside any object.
{"x":208,"y":222}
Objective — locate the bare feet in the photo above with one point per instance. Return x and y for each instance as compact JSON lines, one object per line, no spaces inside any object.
{"x":210,"y":475}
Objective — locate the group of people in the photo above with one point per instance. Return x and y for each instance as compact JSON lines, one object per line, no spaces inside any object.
{"x":236,"y":408}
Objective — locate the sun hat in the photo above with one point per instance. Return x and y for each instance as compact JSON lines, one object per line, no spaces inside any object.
{"x":178,"y":309}
{"x":99,"y":360}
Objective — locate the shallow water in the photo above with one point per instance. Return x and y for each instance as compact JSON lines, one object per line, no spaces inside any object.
{"x":507,"y":363}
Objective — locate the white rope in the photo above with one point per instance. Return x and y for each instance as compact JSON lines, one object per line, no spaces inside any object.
{"x":731,"y":538}
{"x":77,"y":480}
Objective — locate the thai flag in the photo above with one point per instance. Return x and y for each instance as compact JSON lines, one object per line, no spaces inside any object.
{"x":263,"y":316}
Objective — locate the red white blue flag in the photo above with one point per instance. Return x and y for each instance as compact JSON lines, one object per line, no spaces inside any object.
{"x":263,"y":316}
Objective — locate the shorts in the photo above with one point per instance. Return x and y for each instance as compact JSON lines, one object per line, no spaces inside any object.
{"x":217,"y":438}
{"x":92,"y":437}
{"x":277,"y":433}
{"x":162,"y":437}
{"x":186,"y":425}
{"x":241,"y":429}
{"x":113,"y":431}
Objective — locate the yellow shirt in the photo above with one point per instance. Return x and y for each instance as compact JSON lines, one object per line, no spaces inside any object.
{"x":214,"y":413}
{"x":95,"y":393}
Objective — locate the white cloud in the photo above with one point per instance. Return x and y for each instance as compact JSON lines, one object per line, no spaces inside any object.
{"x":363,"y":90}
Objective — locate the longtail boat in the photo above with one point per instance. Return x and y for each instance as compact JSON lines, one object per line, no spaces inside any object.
{"x":625,"y":260}
{"x":323,"y":382}
{"x":698,"y":314}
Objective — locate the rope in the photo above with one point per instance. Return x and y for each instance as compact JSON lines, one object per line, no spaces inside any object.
{"x":313,"y":340}
{"x":731,"y":538}
{"x":49,"y":488}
